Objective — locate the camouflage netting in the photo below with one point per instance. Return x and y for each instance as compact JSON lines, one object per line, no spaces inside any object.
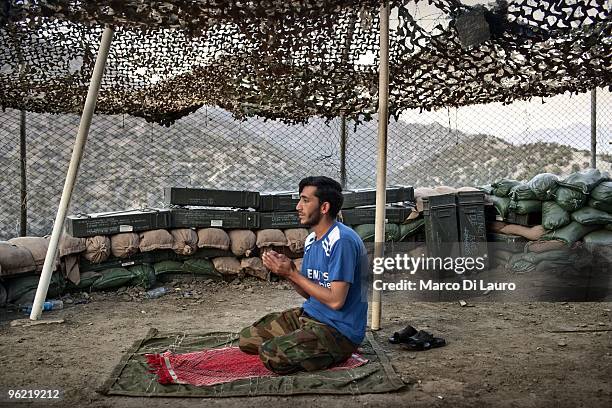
{"x":293,"y":60}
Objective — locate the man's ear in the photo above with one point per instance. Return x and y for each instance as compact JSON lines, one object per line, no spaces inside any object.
{"x":325,"y":207}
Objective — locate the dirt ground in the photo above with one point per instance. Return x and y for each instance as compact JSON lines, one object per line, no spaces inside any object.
{"x":498,"y":354}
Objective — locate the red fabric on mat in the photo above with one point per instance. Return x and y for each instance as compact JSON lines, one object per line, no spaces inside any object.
{"x":216,"y":366}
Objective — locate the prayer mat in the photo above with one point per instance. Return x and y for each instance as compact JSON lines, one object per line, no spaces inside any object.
{"x":132,"y":376}
{"x":217,"y":366}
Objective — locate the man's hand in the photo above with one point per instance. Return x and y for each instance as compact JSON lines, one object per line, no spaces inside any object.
{"x":278,"y":264}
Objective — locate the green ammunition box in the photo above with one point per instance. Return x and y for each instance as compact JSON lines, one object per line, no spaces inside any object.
{"x":472,"y":225}
{"x":367,"y":215}
{"x":205,"y":217}
{"x":441,"y":232}
{"x":527,"y":220}
{"x":206,"y":197}
{"x":367,"y":196}
{"x":287,"y":219}
{"x":278,"y":201}
{"x":88,"y":225}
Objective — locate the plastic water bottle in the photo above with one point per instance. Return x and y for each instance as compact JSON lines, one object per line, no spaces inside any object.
{"x":54,"y":304}
{"x":157,"y":292}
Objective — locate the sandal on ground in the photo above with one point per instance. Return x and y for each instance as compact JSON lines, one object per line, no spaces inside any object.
{"x":403,"y":335}
{"x":423,"y":341}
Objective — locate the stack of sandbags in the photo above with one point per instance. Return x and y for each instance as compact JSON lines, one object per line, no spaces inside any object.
{"x":577,"y":208}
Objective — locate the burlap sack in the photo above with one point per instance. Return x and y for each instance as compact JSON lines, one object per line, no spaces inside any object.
{"x":38,"y":248}
{"x":227,"y":265}
{"x":254,"y":266}
{"x":531,"y":233}
{"x":270,"y":237}
{"x":445,"y":190}
{"x":213,"y":238}
{"x":70,"y":267}
{"x":496,"y":226}
{"x":544,"y":246}
{"x":15,"y":260}
{"x":69,"y":245}
{"x":125,"y":244}
{"x":185,"y":241}
{"x":155,"y":239}
{"x":296,"y":238}
{"x":98,"y":249}
{"x":242,"y":242}
{"x":466,"y":188}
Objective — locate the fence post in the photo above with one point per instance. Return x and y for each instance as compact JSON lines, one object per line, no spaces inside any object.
{"x":343,"y":151}
{"x":594,"y":128}
{"x":23,"y":222}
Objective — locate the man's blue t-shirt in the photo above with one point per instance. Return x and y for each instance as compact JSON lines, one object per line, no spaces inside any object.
{"x":338,"y":256}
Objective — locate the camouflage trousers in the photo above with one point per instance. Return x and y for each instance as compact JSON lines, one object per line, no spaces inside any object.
{"x":290,"y":341}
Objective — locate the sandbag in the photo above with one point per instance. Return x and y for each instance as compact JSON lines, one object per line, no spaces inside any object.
{"x":125,"y":244}
{"x":571,"y":233}
{"x":155,"y":239}
{"x":22,"y":289}
{"x":86,"y":280}
{"x":445,"y":190}
{"x":15,"y":260}
{"x":227,"y":265}
{"x":112,"y":278}
{"x":501,"y":204}
{"x":98,"y":249}
{"x":38,"y":248}
{"x":185,"y":241}
{"x":570,"y":199}
{"x":270,"y":237}
{"x":600,"y":205}
{"x":585,"y":180}
{"x":543,"y":186}
{"x":495,"y":226}
{"x":553,"y":216}
{"x":296,"y":238}
{"x":525,"y":206}
{"x":366,"y":232}
{"x":502,"y":187}
{"x":254,"y":266}
{"x":164,"y":267}
{"x":213,"y":238}
{"x":598,"y":238}
{"x":467,"y":188}
{"x":242,"y":242}
{"x":201,"y":267}
{"x":543,"y":246}
{"x":609,"y":227}
{"x":522,"y":192}
{"x":603,"y":192}
{"x":591,"y":216}
{"x":410,"y":229}
{"x":69,"y":245}
{"x":71,"y":268}
{"x":531,"y":233}
{"x":143,"y":276}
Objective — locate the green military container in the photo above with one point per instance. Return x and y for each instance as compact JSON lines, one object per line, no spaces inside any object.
{"x":367,"y":215}
{"x":472,"y":225}
{"x":367,"y":196}
{"x":206,"y":217}
{"x":527,"y":220}
{"x":441,"y":232}
{"x":278,"y":201}
{"x":136,"y":259}
{"x":88,"y":225}
{"x":206,"y":197}
{"x":288,"y":219}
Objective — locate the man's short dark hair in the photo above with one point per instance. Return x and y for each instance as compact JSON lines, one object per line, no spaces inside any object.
{"x":327,"y":190}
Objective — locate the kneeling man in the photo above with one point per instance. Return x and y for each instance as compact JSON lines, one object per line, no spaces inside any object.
{"x":331,"y":323}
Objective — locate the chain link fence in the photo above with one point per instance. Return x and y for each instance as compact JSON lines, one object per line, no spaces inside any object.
{"x":128,"y":162}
